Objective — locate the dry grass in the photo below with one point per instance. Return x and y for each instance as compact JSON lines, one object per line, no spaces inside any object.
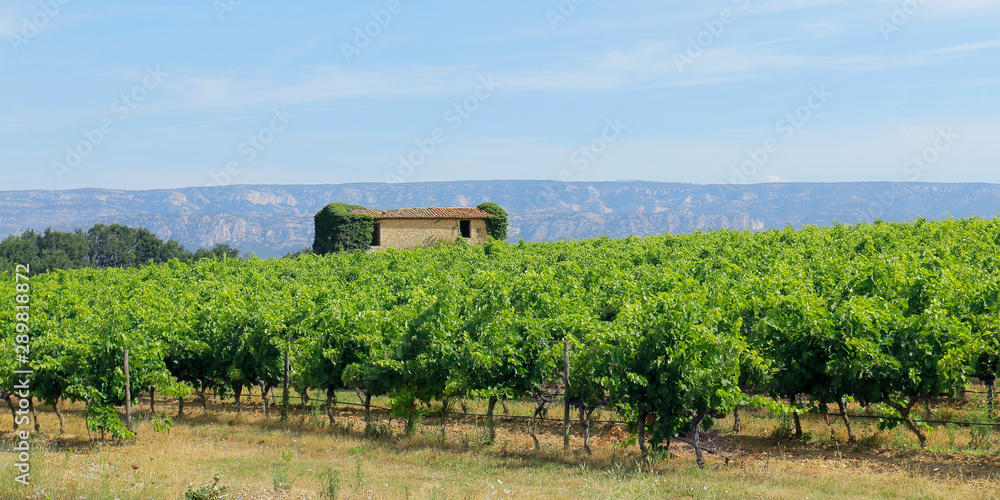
{"x":250,"y":454}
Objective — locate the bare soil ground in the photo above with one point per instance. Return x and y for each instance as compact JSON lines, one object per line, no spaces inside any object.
{"x":265,"y":458}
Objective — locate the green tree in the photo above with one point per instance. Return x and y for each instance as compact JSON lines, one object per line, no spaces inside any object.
{"x":337,"y":229}
{"x":498,"y":223}
{"x":122,"y":246}
{"x":219,"y":251}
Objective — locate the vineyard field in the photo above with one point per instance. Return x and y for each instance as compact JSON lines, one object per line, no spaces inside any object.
{"x":671,"y":335}
{"x":250,"y":453}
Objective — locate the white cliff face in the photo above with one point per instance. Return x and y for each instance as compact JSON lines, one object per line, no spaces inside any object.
{"x":275,"y":220}
{"x":259,"y":197}
{"x":177,"y":199}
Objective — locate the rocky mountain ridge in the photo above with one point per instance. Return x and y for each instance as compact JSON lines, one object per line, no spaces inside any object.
{"x":272,"y":220}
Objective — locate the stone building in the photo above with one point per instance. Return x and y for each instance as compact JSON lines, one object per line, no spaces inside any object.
{"x":421,"y":227}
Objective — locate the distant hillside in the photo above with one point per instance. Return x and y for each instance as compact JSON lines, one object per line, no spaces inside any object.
{"x":274,"y":220}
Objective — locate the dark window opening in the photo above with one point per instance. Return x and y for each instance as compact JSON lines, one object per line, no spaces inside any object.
{"x":377,"y":236}
{"x":466,"y":227}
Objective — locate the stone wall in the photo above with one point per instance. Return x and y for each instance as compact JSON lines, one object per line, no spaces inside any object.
{"x":413,"y":233}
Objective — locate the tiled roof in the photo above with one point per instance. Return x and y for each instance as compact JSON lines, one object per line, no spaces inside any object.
{"x":426,"y":213}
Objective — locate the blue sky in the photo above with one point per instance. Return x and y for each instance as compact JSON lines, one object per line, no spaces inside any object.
{"x":157,"y":94}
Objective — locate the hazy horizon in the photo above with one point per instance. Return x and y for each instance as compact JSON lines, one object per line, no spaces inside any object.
{"x":611,"y":181}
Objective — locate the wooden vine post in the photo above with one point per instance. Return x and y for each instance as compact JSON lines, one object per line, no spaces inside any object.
{"x":566,"y":394}
{"x":990,"y":397}
{"x":284,"y":385}
{"x":128,"y":395}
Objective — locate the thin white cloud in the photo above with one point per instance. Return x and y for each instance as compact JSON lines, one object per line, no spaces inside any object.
{"x":821,"y":29}
{"x":769,"y":56}
{"x":785,"y":5}
{"x":282,"y":58}
{"x":975,"y":82}
{"x":646,"y":65}
{"x":12,"y":21}
{"x":965,"y":47}
{"x":774,"y":42}
{"x":651,"y":64}
{"x":944,"y":10}
{"x":311,"y":85}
